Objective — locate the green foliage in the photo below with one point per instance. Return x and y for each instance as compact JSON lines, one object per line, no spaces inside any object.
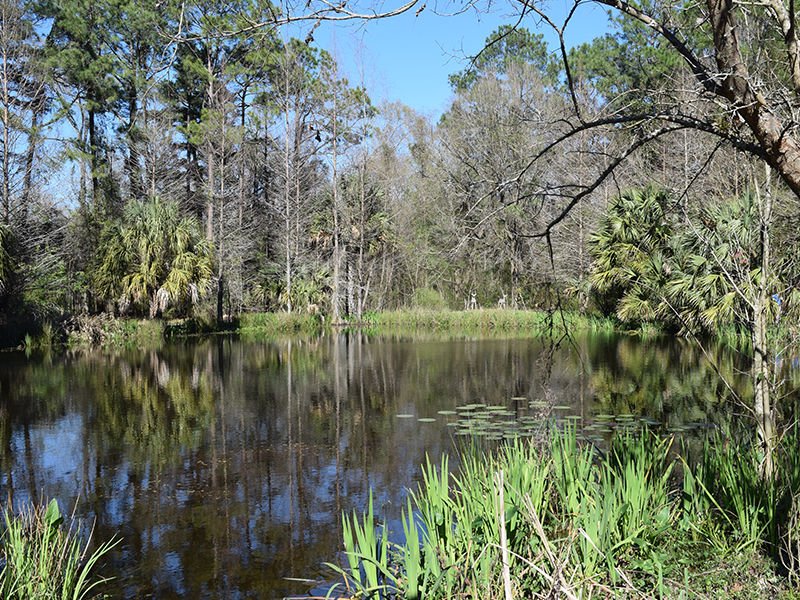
{"x":44,"y":558}
{"x":310,"y":286}
{"x":105,"y":330}
{"x":154,"y":256}
{"x":429,"y":299}
{"x":698,"y":277}
{"x":631,"y":252}
{"x":368,"y":556}
{"x":631,"y":63}
{"x":509,"y":46}
{"x":581,"y":520}
{"x":484,"y":321}
{"x":720,"y":267}
{"x":7,"y":263}
{"x":279,"y":323}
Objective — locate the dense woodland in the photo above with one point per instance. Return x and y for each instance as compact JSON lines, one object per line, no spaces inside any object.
{"x":161,"y":158}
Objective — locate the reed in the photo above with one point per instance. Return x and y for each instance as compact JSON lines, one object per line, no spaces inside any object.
{"x":536,"y":518}
{"x":368,"y":554}
{"x":44,"y":558}
{"x":483,"y":321}
{"x":279,"y":323}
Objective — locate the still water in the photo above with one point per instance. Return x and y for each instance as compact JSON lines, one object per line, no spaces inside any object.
{"x":224,"y":465}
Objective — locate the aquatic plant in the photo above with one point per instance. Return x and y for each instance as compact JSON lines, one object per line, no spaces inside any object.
{"x":534,"y":518}
{"x":42,"y":557}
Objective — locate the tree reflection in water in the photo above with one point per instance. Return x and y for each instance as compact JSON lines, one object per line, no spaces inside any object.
{"x":226,"y":464}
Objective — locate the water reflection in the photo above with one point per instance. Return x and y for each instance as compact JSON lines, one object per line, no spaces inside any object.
{"x":225,"y":465}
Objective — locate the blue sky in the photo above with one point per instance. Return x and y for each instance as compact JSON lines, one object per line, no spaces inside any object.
{"x":408,"y":58}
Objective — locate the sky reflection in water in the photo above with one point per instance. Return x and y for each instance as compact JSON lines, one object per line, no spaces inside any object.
{"x":225,"y":465}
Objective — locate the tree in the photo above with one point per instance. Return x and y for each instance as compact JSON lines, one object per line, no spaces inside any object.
{"x":154,"y":256}
{"x":345,"y":121}
{"x":744,"y":65}
{"x":139,"y":58}
{"x":718,"y":269}
{"x":509,"y":48}
{"x":732,"y":274}
{"x":631,"y":251}
{"x":22,"y":106}
{"x":78,"y":51}
{"x":298,"y":94}
{"x":495,"y":204}
{"x":7,"y":263}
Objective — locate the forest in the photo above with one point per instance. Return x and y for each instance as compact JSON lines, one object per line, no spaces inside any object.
{"x":207,"y":160}
{"x":164,"y":159}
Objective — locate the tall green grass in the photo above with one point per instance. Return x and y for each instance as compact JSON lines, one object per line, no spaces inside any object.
{"x":280,"y":323}
{"x":485,"y":321}
{"x":562,"y":517}
{"x":44,"y":559}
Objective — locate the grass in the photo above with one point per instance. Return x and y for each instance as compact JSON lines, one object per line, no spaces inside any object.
{"x":43,"y":558}
{"x":280,"y":323}
{"x":107,"y":330}
{"x":483,"y":321}
{"x":535,"y":519}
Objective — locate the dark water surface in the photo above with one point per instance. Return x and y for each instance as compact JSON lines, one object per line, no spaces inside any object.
{"x":224,"y":465}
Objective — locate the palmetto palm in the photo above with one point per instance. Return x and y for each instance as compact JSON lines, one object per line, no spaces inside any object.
{"x":155,"y":255}
{"x":632,"y":254}
{"x":720,"y":265}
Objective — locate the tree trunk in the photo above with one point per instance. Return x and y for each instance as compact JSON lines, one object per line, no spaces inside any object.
{"x":132,"y":166}
{"x":733,"y":82}
{"x":762,"y":375}
{"x":95,"y":162}
{"x":30,"y":156}
{"x":337,"y":250}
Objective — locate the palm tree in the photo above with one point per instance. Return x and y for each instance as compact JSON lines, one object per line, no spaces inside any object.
{"x":719,"y":267}
{"x":730,"y":276}
{"x":632,"y":253}
{"x":155,"y":255}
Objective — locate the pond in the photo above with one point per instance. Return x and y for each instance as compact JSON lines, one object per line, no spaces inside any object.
{"x":224,"y":465}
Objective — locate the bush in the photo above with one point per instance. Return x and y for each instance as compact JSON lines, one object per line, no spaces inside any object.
{"x":429,"y":299}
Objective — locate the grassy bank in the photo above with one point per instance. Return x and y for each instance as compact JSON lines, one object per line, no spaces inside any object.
{"x":280,"y":323}
{"x":482,"y":322}
{"x":107,"y":330}
{"x":83,"y":331}
{"x":556,"y":518}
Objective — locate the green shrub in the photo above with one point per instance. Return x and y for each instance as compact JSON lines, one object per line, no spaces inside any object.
{"x":429,"y":299}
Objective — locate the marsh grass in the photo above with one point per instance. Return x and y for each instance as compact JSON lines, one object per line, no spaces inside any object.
{"x":43,"y":558}
{"x":555,"y":516}
{"x":483,"y":321}
{"x":106,"y":330}
{"x":279,"y":323}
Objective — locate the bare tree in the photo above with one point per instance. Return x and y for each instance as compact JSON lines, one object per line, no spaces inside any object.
{"x":23,"y":104}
